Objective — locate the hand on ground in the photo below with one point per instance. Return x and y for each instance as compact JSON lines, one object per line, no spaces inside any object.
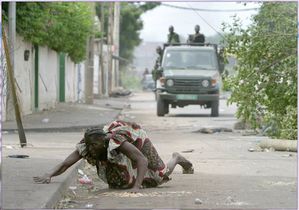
{"x":46,"y":179}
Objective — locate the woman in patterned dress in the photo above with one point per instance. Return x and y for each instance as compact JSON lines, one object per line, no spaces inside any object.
{"x":124,"y":156}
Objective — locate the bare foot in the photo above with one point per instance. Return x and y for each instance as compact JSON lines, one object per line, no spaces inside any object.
{"x":186,"y":164}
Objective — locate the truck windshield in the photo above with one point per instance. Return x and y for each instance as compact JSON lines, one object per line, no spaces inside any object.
{"x":190,"y":59}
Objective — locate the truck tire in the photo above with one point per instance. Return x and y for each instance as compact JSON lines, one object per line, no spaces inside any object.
{"x":160,"y":106}
{"x":215,"y":108}
{"x":166,"y":106}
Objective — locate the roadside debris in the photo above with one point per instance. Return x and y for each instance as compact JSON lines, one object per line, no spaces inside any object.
{"x":251,"y":150}
{"x":120,"y":91}
{"x":259,"y":149}
{"x":45,"y":120}
{"x":18,"y":156}
{"x":198,"y":201}
{"x":288,"y":155}
{"x":188,"y":151}
{"x":213,"y":130}
{"x":73,"y":188}
{"x":89,"y":205}
{"x":231,"y":201}
{"x":85,"y":180}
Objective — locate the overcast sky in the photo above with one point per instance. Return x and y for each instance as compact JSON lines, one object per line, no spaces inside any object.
{"x":157,"y":21}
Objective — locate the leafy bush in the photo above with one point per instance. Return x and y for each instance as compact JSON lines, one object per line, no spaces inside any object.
{"x":62,"y":26}
{"x":265,"y":84}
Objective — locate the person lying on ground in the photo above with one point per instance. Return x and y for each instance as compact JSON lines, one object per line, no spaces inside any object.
{"x":124,"y":156}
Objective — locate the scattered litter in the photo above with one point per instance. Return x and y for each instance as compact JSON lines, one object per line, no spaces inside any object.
{"x":151,"y":194}
{"x":45,"y":120}
{"x":81,"y":172}
{"x":188,"y":151}
{"x":72,"y":187}
{"x":230,"y":199}
{"x":85,"y":180}
{"x":8,"y":147}
{"x":288,"y":155}
{"x":280,"y":183}
{"x":120,"y":91}
{"x":18,"y":156}
{"x":251,"y":150}
{"x":89,"y":205}
{"x":213,"y":130}
{"x":266,"y":150}
{"x":198,"y":201}
{"x":107,"y":104}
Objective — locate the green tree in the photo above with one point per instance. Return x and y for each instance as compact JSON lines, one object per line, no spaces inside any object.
{"x":62,"y":26}
{"x":265,"y":85}
{"x":130,"y":24}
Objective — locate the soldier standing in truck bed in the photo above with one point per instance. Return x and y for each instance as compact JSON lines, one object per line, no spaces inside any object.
{"x":172,"y":37}
{"x":197,"y":37}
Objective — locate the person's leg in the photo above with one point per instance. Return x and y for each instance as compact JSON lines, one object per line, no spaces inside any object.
{"x":178,"y":159}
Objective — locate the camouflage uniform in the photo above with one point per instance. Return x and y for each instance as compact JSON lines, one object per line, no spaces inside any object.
{"x":172,"y":37}
{"x":157,"y":65}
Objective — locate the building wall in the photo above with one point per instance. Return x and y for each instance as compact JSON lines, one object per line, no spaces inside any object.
{"x":48,"y":79}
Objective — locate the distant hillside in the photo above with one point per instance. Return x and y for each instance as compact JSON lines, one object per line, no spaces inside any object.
{"x":145,"y":56}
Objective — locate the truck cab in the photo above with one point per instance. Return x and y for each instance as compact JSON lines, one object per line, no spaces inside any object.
{"x":190,"y":75}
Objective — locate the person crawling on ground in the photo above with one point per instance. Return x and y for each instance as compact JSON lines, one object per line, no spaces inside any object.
{"x":124,"y":156}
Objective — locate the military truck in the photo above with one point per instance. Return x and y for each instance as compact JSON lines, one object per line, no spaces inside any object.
{"x":190,"y":75}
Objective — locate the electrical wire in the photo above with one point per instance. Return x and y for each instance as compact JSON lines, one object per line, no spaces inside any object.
{"x":206,"y":21}
{"x":210,"y":10}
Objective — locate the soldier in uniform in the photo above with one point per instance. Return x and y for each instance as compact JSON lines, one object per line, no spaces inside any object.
{"x":172,"y":37}
{"x":197,"y":37}
{"x":155,"y":73}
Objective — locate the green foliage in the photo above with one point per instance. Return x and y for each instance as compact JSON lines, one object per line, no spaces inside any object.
{"x":265,"y":84}
{"x":62,"y":26}
{"x":129,"y":79}
{"x":130,"y":24}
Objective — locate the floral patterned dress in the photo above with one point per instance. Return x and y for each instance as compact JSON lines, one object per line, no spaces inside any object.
{"x":119,"y":171}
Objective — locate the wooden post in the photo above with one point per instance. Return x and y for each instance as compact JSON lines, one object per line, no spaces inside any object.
{"x":10,"y":74}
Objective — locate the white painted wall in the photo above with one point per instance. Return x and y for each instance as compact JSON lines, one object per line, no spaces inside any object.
{"x":70,"y":80}
{"x":48,"y":78}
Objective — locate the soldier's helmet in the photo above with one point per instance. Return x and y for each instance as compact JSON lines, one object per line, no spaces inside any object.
{"x":197,"y":28}
{"x":171,"y":29}
{"x":158,"y":49}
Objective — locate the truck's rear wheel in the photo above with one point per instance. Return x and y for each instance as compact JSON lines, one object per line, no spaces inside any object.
{"x":215,"y":108}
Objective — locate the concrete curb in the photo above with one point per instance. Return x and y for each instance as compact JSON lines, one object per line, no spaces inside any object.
{"x":54,"y":129}
{"x":56,"y":197}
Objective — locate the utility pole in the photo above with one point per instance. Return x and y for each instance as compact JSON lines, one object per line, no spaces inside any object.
{"x":110,"y":43}
{"x":101,"y":72}
{"x":11,"y":43}
{"x":11,"y":79}
{"x":116,"y":42}
{"x":89,"y":64}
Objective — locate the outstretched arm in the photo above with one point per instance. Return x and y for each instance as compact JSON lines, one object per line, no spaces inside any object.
{"x":135,"y":155}
{"x":59,"y":169}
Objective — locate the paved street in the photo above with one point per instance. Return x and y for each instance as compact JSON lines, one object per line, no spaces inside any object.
{"x":226,"y":174}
